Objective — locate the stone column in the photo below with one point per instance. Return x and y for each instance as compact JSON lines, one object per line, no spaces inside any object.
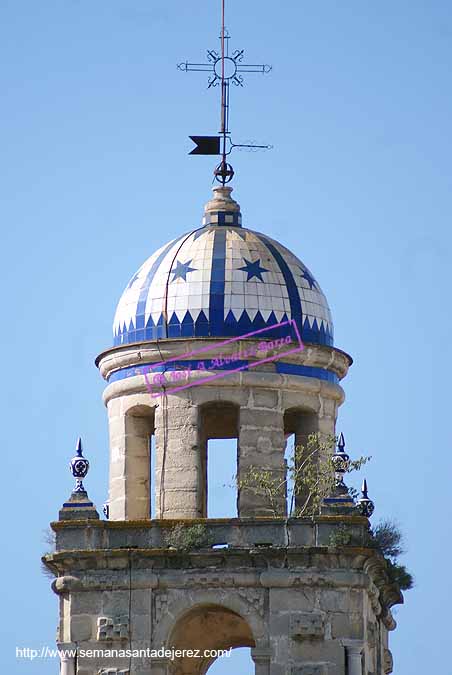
{"x":179,"y":467}
{"x":354,"y":650}
{"x":129,"y":496}
{"x":261,"y":657}
{"x":262,"y":445}
{"x":67,"y":658}
{"x":304,"y":424}
{"x":328,"y":415}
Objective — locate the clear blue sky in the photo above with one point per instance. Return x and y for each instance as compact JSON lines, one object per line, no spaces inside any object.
{"x":95,"y":175}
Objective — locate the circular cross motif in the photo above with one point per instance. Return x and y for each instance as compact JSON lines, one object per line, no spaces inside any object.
{"x":79,"y":467}
{"x":224,"y":173}
{"x":230,"y":68}
{"x":340,"y":462}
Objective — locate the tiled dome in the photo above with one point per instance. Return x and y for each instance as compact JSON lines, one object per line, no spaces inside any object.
{"x":221,"y":280}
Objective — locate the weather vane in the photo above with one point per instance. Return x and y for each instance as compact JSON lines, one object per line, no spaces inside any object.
{"x":225,"y":69}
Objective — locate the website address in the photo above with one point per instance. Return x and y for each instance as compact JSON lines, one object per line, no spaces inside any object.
{"x":46,"y":652}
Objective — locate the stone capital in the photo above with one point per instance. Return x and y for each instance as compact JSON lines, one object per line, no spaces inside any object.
{"x":261,"y":654}
{"x":353,"y":646}
{"x":66,"y":651}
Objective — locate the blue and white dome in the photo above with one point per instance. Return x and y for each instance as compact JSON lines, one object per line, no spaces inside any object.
{"x":221,"y":280}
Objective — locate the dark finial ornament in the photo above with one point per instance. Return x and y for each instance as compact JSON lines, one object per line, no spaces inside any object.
{"x":340,"y":460}
{"x":365,"y":506}
{"x":79,"y":467}
{"x":224,"y":173}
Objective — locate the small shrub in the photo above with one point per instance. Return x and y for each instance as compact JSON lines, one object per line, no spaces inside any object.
{"x":46,"y":571}
{"x":341,"y":536}
{"x":188,"y":537}
{"x":308,"y":480}
{"x":386,"y":536}
{"x":399,"y":575}
{"x":388,"y":540}
{"x":49,"y":538}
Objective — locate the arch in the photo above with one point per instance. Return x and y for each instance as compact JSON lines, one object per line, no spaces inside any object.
{"x":299,"y":423}
{"x":131,"y":424}
{"x":239,"y":660}
{"x":218,"y":420}
{"x":139,"y":427}
{"x":179,"y":605}
{"x":207,"y":627}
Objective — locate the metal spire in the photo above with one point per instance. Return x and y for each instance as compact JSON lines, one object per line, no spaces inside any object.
{"x":225,"y":68}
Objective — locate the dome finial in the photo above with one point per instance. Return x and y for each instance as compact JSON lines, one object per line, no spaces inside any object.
{"x":222,"y":209}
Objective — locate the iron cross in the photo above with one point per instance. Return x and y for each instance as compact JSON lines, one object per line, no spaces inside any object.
{"x":225,"y":68}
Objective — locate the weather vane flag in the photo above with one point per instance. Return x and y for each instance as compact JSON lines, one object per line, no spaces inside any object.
{"x":225,"y":68}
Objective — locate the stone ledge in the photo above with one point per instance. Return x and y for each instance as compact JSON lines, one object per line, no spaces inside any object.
{"x":150,"y":351}
{"x":148,"y":523}
{"x":230,"y":534}
{"x":275,"y":566}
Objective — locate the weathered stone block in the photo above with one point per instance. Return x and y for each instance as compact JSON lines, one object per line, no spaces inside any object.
{"x":334,"y":601}
{"x":261,"y":418}
{"x":141,"y":602}
{"x":279,"y":624}
{"x":115,"y":603}
{"x":86,"y":603}
{"x":320,"y":651}
{"x":266,"y":398}
{"x":310,"y":669}
{"x":292,"y":600}
{"x":81,"y":627}
{"x":348,"y":625}
{"x":307,"y":626}
{"x":141,"y":626}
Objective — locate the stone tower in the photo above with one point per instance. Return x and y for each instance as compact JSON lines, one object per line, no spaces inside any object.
{"x":222,"y":333}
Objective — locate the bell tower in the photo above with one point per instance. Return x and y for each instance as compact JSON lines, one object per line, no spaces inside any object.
{"x":269,"y":385}
{"x":222,"y":333}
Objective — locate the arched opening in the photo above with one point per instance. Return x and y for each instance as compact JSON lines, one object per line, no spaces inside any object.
{"x":139,"y":439}
{"x":219,"y":440}
{"x":208,"y":628}
{"x":239,"y":661}
{"x":298,"y":425}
